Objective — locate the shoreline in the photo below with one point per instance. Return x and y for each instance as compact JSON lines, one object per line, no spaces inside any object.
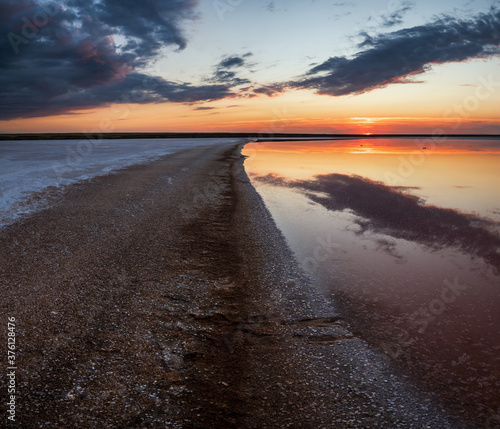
{"x":165,"y":294}
{"x":97,"y":135}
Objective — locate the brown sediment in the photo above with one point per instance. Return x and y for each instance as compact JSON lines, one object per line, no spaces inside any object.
{"x":164,"y":295}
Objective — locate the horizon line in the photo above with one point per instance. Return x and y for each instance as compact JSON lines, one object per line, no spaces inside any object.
{"x":258,"y":135}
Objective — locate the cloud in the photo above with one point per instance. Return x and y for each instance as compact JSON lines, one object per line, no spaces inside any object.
{"x":58,"y":59}
{"x":271,"y":90}
{"x":223,"y":73}
{"x":397,"y":57}
{"x":228,"y":77}
{"x":204,"y":108}
{"x":393,"y":17}
{"x":391,"y":212}
{"x":405,"y":188}
{"x":340,"y":16}
{"x":148,"y":25}
{"x":133,"y":88}
{"x":234,"y":61}
{"x":231,"y":62}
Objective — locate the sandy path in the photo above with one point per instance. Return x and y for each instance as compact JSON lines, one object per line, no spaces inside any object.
{"x":164,"y":296}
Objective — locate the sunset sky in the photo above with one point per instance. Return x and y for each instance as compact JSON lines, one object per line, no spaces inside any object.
{"x":258,"y":66}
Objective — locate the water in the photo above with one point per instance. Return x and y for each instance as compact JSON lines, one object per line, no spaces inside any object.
{"x":405,"y":235}
{"x":32,"y":171}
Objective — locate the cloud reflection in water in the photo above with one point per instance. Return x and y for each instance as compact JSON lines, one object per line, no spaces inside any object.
{"x":391,"y":211}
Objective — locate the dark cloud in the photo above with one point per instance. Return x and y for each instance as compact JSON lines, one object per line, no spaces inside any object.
{"x":386,"y":210}
{"x":271,"y":90}
{"x":234,"y":61}
{"x":395,"y":16}
{"x":55,"y":60}
{"x":147,"y":25}
{"x":223,"y":73}
{"x":228,"y":77}
{"x":133,"y":88}
{"x":399,"y":56}
{"x":394,"y":57}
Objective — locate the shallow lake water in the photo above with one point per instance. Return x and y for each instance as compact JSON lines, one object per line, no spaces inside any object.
{"x":405,"y":235}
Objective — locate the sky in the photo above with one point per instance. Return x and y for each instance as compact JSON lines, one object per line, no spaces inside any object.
{"x":396,"y":66}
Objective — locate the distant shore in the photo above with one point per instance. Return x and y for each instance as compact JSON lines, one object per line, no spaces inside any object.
{"x":259,"y":136}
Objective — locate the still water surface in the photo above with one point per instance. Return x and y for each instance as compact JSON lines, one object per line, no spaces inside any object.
{"x":405,"y":235}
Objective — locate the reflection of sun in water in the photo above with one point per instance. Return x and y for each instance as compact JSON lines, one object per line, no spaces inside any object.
{"x":365,"y":150}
